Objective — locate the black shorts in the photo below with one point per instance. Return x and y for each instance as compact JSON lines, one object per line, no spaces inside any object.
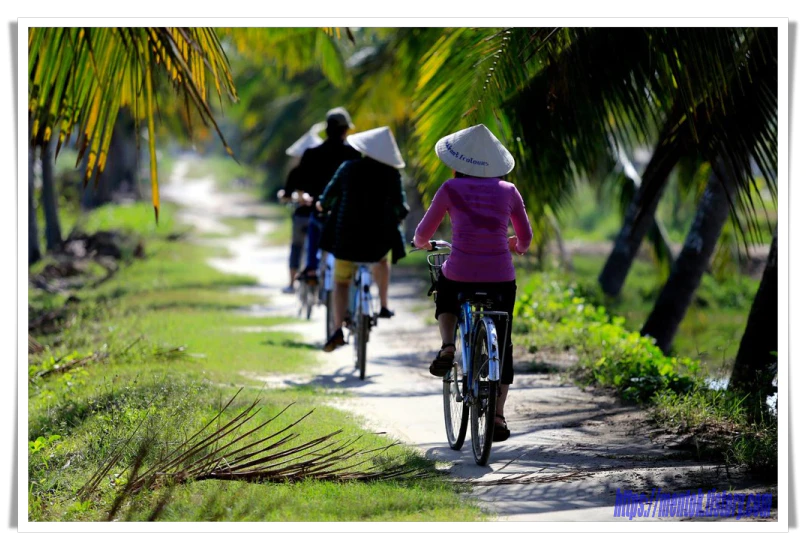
{"x":503,"y":294}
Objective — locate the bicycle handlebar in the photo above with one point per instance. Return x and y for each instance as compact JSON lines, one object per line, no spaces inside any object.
{"x":435,"y":245}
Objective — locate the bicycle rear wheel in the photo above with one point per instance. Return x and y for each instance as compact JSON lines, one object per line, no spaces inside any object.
{"x":310,"y":297}
{"x":360,"y":337}
{"x":329,"y":324}
{"x":301,"y":290}
{"x":482,"y":406}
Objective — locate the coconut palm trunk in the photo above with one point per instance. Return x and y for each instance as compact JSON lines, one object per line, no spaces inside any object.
{"x":672,"y":303}
{"x":34,"y":253}
{"x":50,"y":199}
{"x":756,"y":363}
{"x":640,"y":216}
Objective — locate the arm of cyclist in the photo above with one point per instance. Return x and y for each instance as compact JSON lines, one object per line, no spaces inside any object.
{"x":286,"y":193}
{"x":430,"y":222}
{"x":401,"y":208}
{"x":520,"y":222}
{"x":331,"y":195}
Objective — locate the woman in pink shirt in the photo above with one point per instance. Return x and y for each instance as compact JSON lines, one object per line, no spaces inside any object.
{"x":480,"y":206}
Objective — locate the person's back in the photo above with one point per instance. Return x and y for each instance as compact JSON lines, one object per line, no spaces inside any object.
{"x":367,"y":204}
{"x":480,"y":206}
{"x":480,"y":210}
{"x":316,"y":168}
{"x":368,"y":207}
{"x":318,"y":164}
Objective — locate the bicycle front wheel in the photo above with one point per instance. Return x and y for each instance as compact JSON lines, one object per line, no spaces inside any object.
{"x":482,"y":406}
{"x":454,"y":407}
{"x":361,"y":337}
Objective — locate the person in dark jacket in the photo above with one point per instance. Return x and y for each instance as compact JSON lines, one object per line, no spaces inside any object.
{"x":366,"y":202}
{"x":315,"y":170}
{"x":301,"y":217}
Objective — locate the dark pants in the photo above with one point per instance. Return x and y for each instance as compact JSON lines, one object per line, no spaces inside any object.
{"x":503,"y":295}
{"x":299,"y":231}
{"x":314,"y":235}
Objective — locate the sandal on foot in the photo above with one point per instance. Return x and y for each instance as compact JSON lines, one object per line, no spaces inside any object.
{"x":336,"y":340}
{"x":444,"y":361}
{"x":386,"y":313}
{"x":501,"y":431}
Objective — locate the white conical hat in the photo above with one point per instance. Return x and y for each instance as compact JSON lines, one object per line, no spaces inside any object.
{"x":378,"y":144}
{"x":475,"y":151}
{"x":310,"y":139}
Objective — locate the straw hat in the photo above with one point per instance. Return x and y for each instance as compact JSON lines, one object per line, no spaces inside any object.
{"x":310,"y":139}
{"x":339,"y":117}
{"x":475,"y":151}
{"x":378,"y":144}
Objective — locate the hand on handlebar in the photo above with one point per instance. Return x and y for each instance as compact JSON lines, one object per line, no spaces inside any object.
{"x":513,"y":244}
{"x":434,"y":245}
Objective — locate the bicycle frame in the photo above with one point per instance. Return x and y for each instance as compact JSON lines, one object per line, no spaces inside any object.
{"x":360,"y":291}
{"x":467,"y":321}
{"x":481,"y":374}
{"x":330,"y":265}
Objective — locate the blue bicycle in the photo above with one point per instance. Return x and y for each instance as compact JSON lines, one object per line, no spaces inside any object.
{"x":471,"y":387}
{"x":327,"y":264}
{"x":361,"y":314}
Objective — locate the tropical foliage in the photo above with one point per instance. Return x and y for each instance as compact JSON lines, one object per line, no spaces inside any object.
{"x":80,"y":77}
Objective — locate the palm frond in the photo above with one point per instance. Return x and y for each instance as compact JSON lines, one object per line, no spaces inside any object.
{"x":463,"y":79}
{"x":241,"y":448}
{"x":81,"y":77}
{"x":291,"y":51}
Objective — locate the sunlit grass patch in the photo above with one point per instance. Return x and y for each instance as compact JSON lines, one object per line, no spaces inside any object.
{"x":171,"y":342}
{"x":717,"y":421}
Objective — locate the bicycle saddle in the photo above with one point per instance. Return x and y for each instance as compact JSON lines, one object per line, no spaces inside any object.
{"x":482,"y":299}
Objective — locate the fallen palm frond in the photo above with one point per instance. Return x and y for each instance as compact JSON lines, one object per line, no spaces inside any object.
{"x":49,"y":321}
{"x":527,"y":478}
{"x":34,"y":346}
{"x":171,"y":352}
{"x":61,"y":368}
{"x":239,"y":450}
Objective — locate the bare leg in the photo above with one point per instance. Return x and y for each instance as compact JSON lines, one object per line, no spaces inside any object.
{"x":502,"y":399}
{"x":341,"y":293}
{"x":447,"y":328}
{"x":381,"y":272}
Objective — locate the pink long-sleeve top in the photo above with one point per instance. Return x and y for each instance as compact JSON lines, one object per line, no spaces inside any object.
{"x":480,"y":210}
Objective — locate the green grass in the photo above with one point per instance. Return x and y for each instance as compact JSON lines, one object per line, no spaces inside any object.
{"x":722,"y":429}
{"x":713,"y":325}
{"x":168,"y":326}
